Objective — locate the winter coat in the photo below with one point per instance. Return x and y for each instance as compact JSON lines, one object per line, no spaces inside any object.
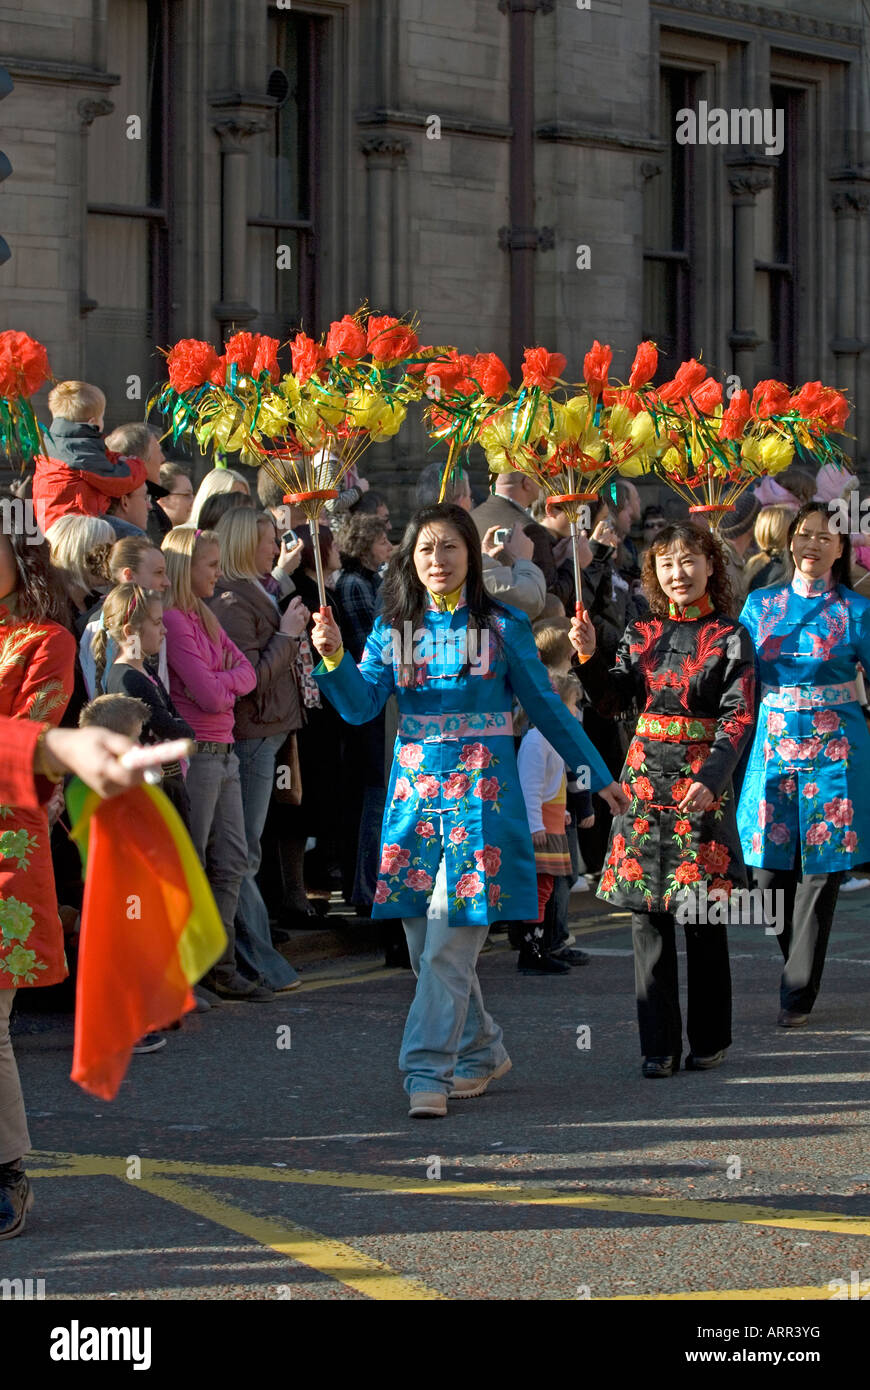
{"x":206,"y":675}
{"x":252,"y":619}
{"x":79,"y":475}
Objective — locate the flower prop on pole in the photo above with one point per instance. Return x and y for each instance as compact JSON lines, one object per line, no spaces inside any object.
{"x":572,"y":447}
{"x":464,"y":391}
{"x":709,"y":456}
{"x":309,"y":427}
{"x":24,"y":370}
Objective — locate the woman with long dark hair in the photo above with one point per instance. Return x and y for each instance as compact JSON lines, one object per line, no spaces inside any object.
{"x":804,"y":814}
{"x":691,"y":669}
{"x":457,"y":852}
{"x":37,"y":658}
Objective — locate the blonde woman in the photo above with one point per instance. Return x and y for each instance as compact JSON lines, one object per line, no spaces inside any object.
{"x":207,"y":674}
{"x":80,"y":548}
{"x":263,"y":718}
{"x":769,"y":566}
{"x":218,"y":480}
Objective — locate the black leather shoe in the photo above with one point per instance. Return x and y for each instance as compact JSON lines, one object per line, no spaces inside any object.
{"x":715,"y":1059}
{"x":571,"y":956}
{"x":538,"y":963}
{"x":787,"y":1019}
{"x":16,"y":1199}
{"x":656,"y":1067}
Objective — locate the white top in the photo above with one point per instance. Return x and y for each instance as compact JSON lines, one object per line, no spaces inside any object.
{"x":541,"y":770}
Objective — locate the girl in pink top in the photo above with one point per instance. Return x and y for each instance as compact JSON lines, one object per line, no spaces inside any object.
{"x":207,"y":673}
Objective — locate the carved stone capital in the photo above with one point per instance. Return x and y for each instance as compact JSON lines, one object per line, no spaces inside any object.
{"x":746,"y":184}
{"x":650,"y":169}
{"x":89,"y":108}
{"x":850,"y":202}
{"x":235,"y":131}
{"x":385,"y":148}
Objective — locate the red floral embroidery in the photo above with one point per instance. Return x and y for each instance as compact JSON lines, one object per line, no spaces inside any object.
{"x":493,"y":894}
{"x":630,"y":870}
{"x":825,"y":721}
{"x":778,"y":833}
{"x":411,"y":755}
{"x":850,"y":841}
{"x":458,"y":835}
{"x":382,"y":891}
{"x":818,"y":834}
{"x":488,"y":859}
{"x":617,"y":849}
{"x":679,"y":789}
{"x":838,"y":749}
{"x":487,"y":789}
{"x":636,"y":756}
{"x":644,"y":788}
{"x":475,"y":755}
{"x":394,"y":858}
{"x":419,"y":880}
{"x":469,"y":886}
{"x":810,"y":790}
{"x":402,"y":789}
{"x":427,"y":787}
{"x":608,"y":881}
{"x":720,"y":888}
{"x":714,"y":857}
{"x":696,"y":755}
{"x":456,"y":786}
{"x":839,"y":811}
{"x":682,"y":827}
{"x":687,"y":873}
{"x":641,"y":826}
{"x":425,"y":828}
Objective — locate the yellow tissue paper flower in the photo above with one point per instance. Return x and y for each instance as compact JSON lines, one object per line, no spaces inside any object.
{"x":643,"y":429}
{"x":674,"y":462}
{"x":273,"y":415}
{"x":388,"y":423}
{"x":619,"y":425}
{"x":750,"y":451}
{"x":290,"y":390}
{"x":331,"y":406}
{"x":776,"y":453}
{"x":634,"y":465}
{"x":496,"y":434}
{"x":578,"y":416}
{"x":308,"y":426}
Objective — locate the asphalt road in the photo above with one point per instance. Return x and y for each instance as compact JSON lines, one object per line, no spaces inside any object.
{"x":232,"y":1167}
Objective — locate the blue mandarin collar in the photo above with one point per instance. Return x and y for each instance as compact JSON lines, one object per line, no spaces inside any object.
{"x":811,"y":588}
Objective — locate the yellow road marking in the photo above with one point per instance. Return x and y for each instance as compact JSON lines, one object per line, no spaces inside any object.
{"x":728,"y":1295}
{"x":360,"y":976}
{"x":332,"y":1257}
{"x":91,"y":1165}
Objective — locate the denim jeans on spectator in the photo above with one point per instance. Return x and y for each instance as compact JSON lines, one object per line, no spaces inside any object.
{"x":448,"y":1029}
{"x":217,"y":829}
{"x":257,"y":957}
{"x":14,"y":1138}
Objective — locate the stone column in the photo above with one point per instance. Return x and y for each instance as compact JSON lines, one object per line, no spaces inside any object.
{"x":386,"y":159}
{"x":89,"y":108}
{"x":850,"y":199}
{"x":746,"y":178}
{"x":234,"y":130}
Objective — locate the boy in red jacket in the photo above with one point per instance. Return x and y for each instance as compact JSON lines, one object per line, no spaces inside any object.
{"x":79,"y":475}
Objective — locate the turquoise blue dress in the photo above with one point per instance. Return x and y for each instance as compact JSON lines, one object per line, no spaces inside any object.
{"x":454,"y":787}
{"x":807,"y":784}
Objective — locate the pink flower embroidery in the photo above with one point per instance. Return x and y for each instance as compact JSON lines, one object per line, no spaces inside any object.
{"x":458,"y":834}
{"x":475,"y":755}
{"x":494,"y":894}
{"x":787,"y":786}
{"x":469,"y":886}
{"x":419,"y":880}
{"x":810,"y":790}
{"x":850,"y":841}
{"x":778,"y":833}
{"x":839,"y":811}
{"x":425,"y":828}
{"x":838,"y":749}
{"x":487,"y":789}
{"x":394,"y":858}
{"x":788,"y":748}
{"x":768,"y":751}
{"x":411,"y":755}
{"x":457,"y":785}
{"x":825,"y":721}
{"x":765,"y":813}
{"x":756,"y":843}
{"x":382,"y":891}
{"x":775,"y":723}
{"x":818,"y":834}
{"x":427,"y":787}
{"x":810,"y":748}
{"x":402,"y":789}
{"x":488,"y":859}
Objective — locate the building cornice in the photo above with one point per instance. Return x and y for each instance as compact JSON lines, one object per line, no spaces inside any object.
{"x":418,"y":120}
{"x":764,"y":17}
{"x":43,"y":70}
{"x":565,"y":133}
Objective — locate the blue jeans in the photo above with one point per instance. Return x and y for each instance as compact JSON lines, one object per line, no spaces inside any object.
{"x":448,"y":1029}
{"x":257,"y":957}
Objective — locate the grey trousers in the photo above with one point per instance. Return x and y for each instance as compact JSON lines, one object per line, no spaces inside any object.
{"x":14,"y":1138}
{"x":217,"y":829}
{"x":809,"y":902}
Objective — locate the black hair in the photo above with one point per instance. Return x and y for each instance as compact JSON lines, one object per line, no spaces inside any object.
{"x":841,"y":569}
{"x":403,"y":595}
{"x":218,"y":504}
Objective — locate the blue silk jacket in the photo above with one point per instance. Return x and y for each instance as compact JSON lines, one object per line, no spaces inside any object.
{"x":806,"y":784}
{"x":454,"y":787}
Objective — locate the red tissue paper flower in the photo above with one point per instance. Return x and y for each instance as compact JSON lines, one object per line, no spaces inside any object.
{"x":490,"y":373}
{"x":542,"y":368}
{"x":770,"y":398}
{"x":448,"y":371}
{"x":643,"y":368}
{"x":687,"y":379}
{"x":241,"y":350}
{"x":191,"y":363}
{"x":735,"y":417}
{"x":308,"y":357}
{"x":23,"y":364}
{"x":596,"y":365}
{"x":707,"y":396}
{"x":389,"y":340}
{"x":347,"y":338}
{"x":266,"y":357}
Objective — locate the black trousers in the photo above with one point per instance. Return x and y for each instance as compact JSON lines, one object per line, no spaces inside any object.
{"x":807,"y":905}
{"x":708,"y":981}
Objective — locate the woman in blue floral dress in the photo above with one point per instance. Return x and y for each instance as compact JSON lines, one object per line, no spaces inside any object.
{"x":804,"y":813}
{"x":457,"y":853}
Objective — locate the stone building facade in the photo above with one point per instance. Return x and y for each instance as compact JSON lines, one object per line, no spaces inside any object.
{"x":508,"y":169}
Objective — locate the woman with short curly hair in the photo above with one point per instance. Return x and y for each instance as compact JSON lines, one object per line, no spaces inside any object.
{"x":691,"y":668}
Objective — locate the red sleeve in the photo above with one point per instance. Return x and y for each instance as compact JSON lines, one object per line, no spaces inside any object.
{"x":47,"y":683}
{"x":116,"y":487}
{"x":18,"y":786}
